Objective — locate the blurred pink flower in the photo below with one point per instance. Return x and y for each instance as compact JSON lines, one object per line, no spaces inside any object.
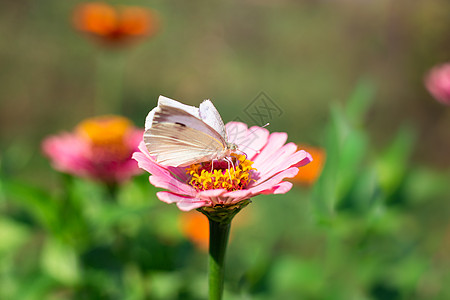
{"x":267,"y":161}
{"x":437,"y":82}
{"x":99,"y":148}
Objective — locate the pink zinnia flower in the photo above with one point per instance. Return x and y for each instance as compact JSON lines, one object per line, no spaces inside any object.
{"x":267,"y":161}
{"x":437,"y":82}
{"x":99,"y":148}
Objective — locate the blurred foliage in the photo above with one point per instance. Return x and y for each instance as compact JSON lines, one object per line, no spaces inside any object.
{"x":375,"y":224}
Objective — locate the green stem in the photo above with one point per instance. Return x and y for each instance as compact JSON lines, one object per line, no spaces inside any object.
{"x":110,"y":77}
{"x":219,"y":217}
{"x":218,"y":239}
{"x":112,"y":190}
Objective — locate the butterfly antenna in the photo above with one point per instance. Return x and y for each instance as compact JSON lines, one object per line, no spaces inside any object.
{"x":251,"y":132}
{"x":257,"y":151}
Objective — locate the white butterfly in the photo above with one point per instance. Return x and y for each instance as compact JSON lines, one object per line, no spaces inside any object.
{"x":180,"y":135}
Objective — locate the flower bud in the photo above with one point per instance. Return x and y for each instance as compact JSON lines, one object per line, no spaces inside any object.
{"x":437,"y":82}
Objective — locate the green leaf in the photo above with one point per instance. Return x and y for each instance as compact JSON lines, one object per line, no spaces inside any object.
{"x":165,"y":285}
{"x":351,"y":155}
{"x":12,"y":235}
{"x":60,"y":262}
{"x":392,"y":164}
{"x":324,"y":192}
{"x":296,"y":277}
{"x":36,"y":201}
{"x":359,"y":102}
{"x":35,"y":287}
{"x":134,"y":282}
{"x":346,"y":147}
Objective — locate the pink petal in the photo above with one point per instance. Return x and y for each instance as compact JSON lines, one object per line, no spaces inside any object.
{"x":143,"y":161}
{"x":68,"y":153}
{"x":275,"y":141}
{"x":238,"y":194}
{"x":277,"y":162}
{"x":211,"y":193}
{"x":134,"y":139}
{"x":256,"y":140}
{"x":147,"y":163}
{"x":306,"y":160}
{"x":212,"y":197}
{"x":122,"y":171}
{"x":299,"y":158}
{"x":249,"y":141}
{"x":172,"y":185}
{"x":236,"y":132}
{"x":281,"y":188}
{"x":184,"y":203}
{"x":169,"y":197}
{"x":275,"y":180}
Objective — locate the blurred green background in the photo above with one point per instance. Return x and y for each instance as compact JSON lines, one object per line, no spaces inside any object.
{"x":347,"y":76}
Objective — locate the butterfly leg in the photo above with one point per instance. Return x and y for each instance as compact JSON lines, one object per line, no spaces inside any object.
{"x":228,"y":167}
{"x":212,"y":166}
{"x":230,"y":162}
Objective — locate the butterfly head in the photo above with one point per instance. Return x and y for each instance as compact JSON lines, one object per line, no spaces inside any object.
{"x":232,"y":147}
{"x":228,"y":150}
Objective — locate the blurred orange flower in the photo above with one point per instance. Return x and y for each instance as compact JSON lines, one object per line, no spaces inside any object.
{"x":115,"y":25}
{"x":195,"y":227}
{"x":308,"y":174}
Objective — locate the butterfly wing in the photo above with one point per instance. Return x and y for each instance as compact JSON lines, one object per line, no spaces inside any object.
{"x":174,"y":144}
{"x":210,"y":115}
{"x":171,"y":111}
{"x":164,"y":102}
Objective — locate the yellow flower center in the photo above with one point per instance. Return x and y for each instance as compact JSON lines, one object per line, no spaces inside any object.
{"x":107,"y":136}
{"x":223,"y":174}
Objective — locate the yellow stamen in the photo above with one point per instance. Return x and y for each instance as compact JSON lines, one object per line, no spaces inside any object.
{"x":223,"y":176}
